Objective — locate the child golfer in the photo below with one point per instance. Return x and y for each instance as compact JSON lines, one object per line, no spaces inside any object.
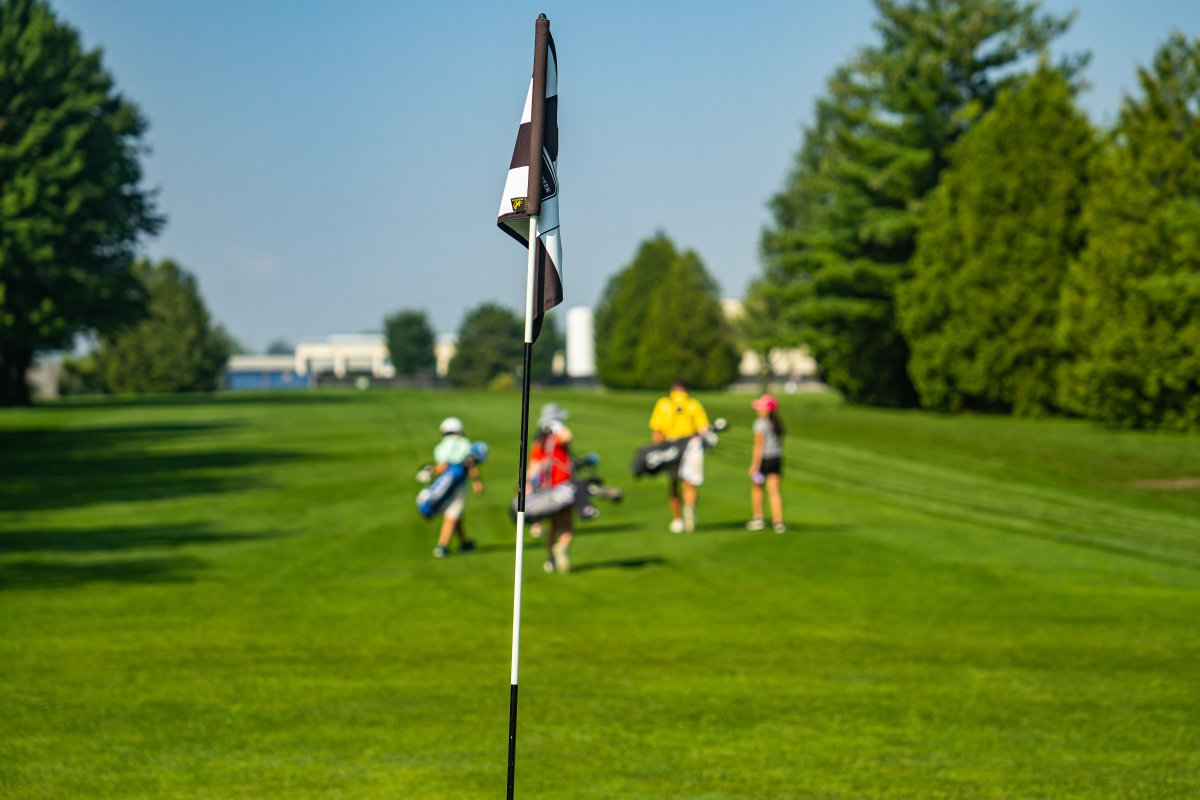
{"x":550,"y":465}
{"x":454,"y":448}
{"x":766,"y":464}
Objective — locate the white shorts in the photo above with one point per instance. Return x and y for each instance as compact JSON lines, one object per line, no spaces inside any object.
{"x":457,"y":503}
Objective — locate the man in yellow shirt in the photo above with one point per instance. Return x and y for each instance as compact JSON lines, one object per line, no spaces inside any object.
{"x":680,"y":416}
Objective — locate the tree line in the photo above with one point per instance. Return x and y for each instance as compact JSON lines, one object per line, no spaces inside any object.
{"x":955,"y":233}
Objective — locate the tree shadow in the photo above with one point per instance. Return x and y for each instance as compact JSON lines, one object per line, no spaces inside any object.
{"x":620,"y":563}
{"x":113,"y":539}
{"x":67,"y":467}
{"x":48,"y":558}
{"x":37,"y":574}
{"x":263,"y":398}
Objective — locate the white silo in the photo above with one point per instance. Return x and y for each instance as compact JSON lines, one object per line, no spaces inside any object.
{"x":581,"y":345}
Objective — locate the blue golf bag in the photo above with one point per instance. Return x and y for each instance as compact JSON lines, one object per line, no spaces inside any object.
{"x":434,"y":497}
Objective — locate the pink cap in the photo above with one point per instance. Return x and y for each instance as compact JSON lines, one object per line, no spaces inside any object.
{"x":765,"y":403}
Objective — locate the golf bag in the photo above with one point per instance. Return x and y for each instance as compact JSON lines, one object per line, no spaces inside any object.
{"x":654,"y":458}
{"x":436,"y":496}
{"x":578,"y":492}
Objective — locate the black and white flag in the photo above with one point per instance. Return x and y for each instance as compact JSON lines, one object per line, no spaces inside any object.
{"x":515,"y":206}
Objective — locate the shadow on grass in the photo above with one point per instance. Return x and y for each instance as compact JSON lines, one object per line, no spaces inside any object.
{"x":112,"y":539}
{"x":588,"y":528}
{"x":818,"y":527}
{"x":620,"y":563}
{"x":198,"y":399}
{"x":721,"y":526}
{"x":68,"y":467}
{"x":61,"y":575}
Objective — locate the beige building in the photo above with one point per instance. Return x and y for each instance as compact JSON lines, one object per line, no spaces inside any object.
{"x":343,"y":354}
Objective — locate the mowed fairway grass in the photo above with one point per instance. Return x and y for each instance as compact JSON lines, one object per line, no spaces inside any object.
{"x":234,"y":597}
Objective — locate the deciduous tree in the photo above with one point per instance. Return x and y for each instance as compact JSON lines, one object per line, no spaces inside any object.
{"x":71,"y":205}
{"x":176,"y":348}
{"x":410,"y":342}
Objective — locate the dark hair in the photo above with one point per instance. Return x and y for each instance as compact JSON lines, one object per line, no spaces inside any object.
{"x":776,"y":423}
{"x":680,"y":382}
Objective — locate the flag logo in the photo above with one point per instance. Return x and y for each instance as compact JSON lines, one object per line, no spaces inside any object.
{"x":519,"y":204}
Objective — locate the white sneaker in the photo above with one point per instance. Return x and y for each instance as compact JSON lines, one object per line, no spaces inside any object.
{"x":676,"y":526}
{"x":756,"y":524}
{"x":689,"y":519}
{"x":779,"y":527}
{"x":562,"y":557}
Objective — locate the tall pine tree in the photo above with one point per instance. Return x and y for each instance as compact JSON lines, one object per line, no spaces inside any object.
{"x":845,"y":224}
{"x":999,"y":232}
{"x":1131,"y":305}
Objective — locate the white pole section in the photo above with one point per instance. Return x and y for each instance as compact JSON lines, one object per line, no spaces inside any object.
{"x":520,"y":548}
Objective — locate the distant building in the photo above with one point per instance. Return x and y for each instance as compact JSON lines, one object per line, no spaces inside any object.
{"x":791,"y":367}
{"x":245,"y":373}
{"x":345,"y":354}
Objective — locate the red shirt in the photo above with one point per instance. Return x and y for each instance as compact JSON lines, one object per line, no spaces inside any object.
{"x":550,"y":466}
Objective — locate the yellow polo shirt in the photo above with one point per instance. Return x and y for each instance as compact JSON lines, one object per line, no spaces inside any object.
{"x":678,"y":416}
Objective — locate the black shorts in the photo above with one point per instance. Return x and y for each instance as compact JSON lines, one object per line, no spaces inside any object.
{"x":771,"y":466}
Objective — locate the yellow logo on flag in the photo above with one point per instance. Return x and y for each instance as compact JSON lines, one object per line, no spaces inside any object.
{"x":518,"y":204}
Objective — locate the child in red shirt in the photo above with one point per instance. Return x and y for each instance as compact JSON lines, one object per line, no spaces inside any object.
{"x":550,"y":465}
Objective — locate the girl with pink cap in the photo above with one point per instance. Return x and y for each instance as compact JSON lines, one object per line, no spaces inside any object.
{"x":766,"y":464}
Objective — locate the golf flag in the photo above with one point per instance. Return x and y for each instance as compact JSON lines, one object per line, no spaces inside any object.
{"x":531,"y":189}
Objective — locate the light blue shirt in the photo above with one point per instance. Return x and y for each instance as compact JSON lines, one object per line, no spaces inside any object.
{"x":452,"y":449}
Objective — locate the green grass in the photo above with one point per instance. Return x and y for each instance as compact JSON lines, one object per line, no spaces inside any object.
{"x":234,"y":598}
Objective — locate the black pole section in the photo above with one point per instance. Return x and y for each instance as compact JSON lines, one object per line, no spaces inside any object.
{"x":524,"y":426}
{"x":512,"y":692}
{"x":537,"y":125}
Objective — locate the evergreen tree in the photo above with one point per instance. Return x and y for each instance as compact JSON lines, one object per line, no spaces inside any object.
{"x":626,"y":309}
{"x":490,"y":344}
{"x":175,"y":348}
{"x":71,"y":210}
{"x":1131,"y":304}
{"x":999,"y":232}
{"x":845,"y":225}
{"x":410,"y":342}
{"x":660,"y":319}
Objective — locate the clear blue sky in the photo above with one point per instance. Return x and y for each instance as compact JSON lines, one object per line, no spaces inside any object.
{"x":322,"y":164}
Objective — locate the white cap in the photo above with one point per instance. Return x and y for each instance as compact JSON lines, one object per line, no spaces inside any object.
{"x":451,"y":425}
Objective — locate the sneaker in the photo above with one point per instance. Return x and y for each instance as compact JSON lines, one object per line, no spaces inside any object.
{"x":562,"y":558}
{"x":755,"y":524}
{"x":689,"y":519}
{"x":535,"y":530}
{"x":676,"y":526}
{"x":440,"y":552}
{"x":548,"y":566}
{"x":466,"y":547}
{"x":779,"y":527}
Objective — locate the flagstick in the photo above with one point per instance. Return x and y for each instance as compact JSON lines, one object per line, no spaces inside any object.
{"x":537,"y":93}
{"x":517,"y":571}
